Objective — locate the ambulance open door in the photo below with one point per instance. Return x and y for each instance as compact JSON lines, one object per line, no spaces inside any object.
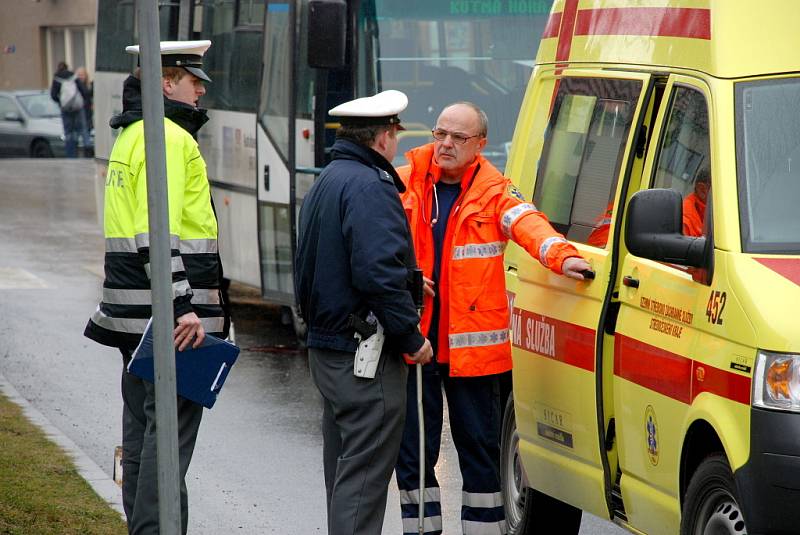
{"x":563,"y":356}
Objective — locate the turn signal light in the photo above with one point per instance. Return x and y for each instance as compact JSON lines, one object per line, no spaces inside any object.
{"x":776,"y":384}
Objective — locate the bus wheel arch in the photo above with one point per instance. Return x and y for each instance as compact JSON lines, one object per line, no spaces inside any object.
{"x":529,"y":511}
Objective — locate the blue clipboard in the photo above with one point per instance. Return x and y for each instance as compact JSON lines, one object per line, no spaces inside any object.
{"x":199,"y":373}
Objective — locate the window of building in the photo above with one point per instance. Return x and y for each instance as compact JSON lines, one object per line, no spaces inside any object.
{"x":72,"y":45}
{"x":582,"y":154}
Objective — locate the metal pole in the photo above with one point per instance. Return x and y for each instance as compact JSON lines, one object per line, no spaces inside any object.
{"x":418,"y":296}
{"x":161,"y":271}
{"x":421,"y":421}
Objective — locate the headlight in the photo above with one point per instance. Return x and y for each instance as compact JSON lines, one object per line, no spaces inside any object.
{"x":776,"y":384}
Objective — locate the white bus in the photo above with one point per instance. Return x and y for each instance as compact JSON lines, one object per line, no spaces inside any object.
{"x":269,"y":128}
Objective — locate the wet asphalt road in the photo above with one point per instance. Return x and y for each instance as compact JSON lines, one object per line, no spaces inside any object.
{"x":258,"y":462}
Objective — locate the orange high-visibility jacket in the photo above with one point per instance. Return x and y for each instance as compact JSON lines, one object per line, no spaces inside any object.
{"x":474,"y":317}
{"x":694,"y":212}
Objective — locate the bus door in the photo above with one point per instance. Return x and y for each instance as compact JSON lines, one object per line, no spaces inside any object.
{"x":285,"y":140}
{"x":563,"y":358}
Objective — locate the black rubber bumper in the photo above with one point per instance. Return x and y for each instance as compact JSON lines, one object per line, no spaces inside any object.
{"x":769,"y":483}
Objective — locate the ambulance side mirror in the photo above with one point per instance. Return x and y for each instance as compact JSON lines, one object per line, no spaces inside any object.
{"x":654,"y":229}
{"x":327,"y":30}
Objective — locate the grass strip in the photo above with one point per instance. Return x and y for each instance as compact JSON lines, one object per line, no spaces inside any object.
{"x":41,"y":492}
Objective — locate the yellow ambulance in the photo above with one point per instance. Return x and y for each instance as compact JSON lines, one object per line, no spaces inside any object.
{"x":662,"y":138}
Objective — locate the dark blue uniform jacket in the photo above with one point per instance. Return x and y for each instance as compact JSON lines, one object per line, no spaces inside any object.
{"x":354,"y":252}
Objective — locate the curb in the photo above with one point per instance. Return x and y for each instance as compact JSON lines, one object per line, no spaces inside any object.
{"x":102,"y":484}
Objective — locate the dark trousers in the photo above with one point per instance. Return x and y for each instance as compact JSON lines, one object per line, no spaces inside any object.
{"x":474,"y":407}
{"x":362,"y":422}
{"x":139,"y":464}
{"x":74,"y":127}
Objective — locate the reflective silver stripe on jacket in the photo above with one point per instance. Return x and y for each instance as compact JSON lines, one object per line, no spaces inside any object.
{"x":429,"y":524}
{"x":473,"y":527}
{"x":176,"y":265}
{"x":129,"y":245}
{"x":138,"y":325}
{"x":545,"y":248}
{"x":122,"y":325}
{"x":512,"y":214}
{"x":198,"y":246}
{"x":213,"y":325}
{"x":120,"y":245}
{"x":478,"y":339}
{"x":485,"y":500}
{"x":432,"y":494}
{"x":114,"y":296}
{"x":181,"y":288}
{"x":143,"y":240}
{"x":479,"y":250}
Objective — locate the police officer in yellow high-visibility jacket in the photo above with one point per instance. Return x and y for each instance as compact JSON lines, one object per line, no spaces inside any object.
{"x":125,"y":309}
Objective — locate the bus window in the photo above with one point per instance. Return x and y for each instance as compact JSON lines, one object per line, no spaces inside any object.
{"x":235,"y":31}
{"x":116,"y":29}
{"x":442,"y":52}
{"x":275,"y":100}
{"x":115,"y":26}
{"x":250,"y":13}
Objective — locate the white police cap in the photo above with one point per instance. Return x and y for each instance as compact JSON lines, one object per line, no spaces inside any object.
{"x":375,"y":110}
{"x":186,"y":54}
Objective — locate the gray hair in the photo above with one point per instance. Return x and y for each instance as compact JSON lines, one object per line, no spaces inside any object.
{"x":483,"y":120}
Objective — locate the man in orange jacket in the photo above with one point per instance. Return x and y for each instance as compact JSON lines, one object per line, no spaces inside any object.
{"x":694,"y":205}
{"x":462,"y":211}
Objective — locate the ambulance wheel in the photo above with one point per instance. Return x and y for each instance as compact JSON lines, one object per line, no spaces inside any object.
{"x":711,"y":506}
{"x":528,"y":511}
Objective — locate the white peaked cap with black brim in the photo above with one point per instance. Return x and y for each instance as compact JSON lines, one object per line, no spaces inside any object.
{"x":186,"y":54}
{"x":380,"y":109}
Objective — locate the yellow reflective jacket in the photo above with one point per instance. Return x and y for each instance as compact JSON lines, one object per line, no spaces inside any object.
{"x":123,"y":312}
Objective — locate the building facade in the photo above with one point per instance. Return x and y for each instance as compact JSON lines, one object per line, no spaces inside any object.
{"x":35,"y":35}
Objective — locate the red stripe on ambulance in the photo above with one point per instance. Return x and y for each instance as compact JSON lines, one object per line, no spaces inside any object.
{"x":692,"y":23}
{"x":673,"y":375}
{"x":552,"y":338}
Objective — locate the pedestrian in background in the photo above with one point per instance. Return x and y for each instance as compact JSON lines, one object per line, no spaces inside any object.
{"x":68,"y":91}
{"x":124,"y":311}
{"x":354,"y":262}
{"x":88,"y":101}
{"x":462,"y":212}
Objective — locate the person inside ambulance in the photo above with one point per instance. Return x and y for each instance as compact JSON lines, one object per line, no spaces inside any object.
{"x":462,"y":211}
{"x":694,"y":205}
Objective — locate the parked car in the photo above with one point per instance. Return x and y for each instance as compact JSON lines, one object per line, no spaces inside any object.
{"x":30,"y":124}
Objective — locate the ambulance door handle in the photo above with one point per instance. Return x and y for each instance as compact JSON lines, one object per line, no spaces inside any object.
{"x":266,"y":177}
{"x":630,"y":282}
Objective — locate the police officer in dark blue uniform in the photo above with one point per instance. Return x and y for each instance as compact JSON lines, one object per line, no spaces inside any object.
{"x":354,"y":260}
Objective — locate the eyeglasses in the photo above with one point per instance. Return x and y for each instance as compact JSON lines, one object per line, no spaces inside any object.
{"x":458,"y":139}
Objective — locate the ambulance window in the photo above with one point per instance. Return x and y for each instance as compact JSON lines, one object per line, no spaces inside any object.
{"x":767,"y":156}
{"x":684,"y":162}
{"x":582,"y":154}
